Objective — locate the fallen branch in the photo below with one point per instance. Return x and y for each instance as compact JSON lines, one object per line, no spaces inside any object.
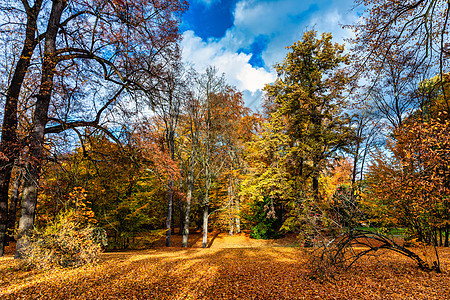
{"x":341,"y":252}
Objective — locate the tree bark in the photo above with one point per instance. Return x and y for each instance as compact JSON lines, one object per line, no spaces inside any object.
{"x":315,"y":185}
{"x":237,"y":220}
{"x":447,"y":231}
{"x":205,"y":226}
{"x":187,"y":212}
{"x":13,"y":203}
{"x":169,"y":214}
{"x":231,"y":208}
{"x":181,"y":209}
{"x":9,"y":145}
{"x":40,"y":119}
{"x":5,"y":176}
{"x":206,"y":207}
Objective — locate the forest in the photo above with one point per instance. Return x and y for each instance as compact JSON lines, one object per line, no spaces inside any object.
{"x":109,"y":142}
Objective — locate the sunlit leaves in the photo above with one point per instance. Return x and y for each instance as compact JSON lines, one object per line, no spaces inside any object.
{"x":412,"y":186}
{"x":246,"y":273}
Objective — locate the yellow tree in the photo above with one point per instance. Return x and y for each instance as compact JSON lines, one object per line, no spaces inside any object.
{"x":306,"y":125}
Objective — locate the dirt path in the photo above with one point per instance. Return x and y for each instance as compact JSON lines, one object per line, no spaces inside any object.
{"x":218,"y":240}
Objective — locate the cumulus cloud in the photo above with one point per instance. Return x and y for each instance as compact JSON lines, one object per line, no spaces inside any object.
{"x":238,"y":71}
{"x":282,"y":22}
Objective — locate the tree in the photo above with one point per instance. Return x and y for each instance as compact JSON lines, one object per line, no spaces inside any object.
{"x":9,"y":144}
{"x":410,"y":188}
{"x":308,"y":96}
{"x":210,"y":87}
{"x":189,"y":153}
{"x":124,"y":185}
{"x":306,"y":125}
{"x":209,"y":144}
{"x":230,"y":129}
{"x":168,"y":108}
{"x":126,"y":30}
{"x":414,"y":32}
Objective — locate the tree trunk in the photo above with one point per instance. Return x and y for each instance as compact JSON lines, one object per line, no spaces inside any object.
{"x":206,"y":207}
{"x":169,"y":214}
{"x":187,"y":212}
{"x":9,"y":145}
{"x":29,"y":200}
{"x":231,"y":223}
{"x":315,"y":186}
{"x":5,"y":176}
{"x":40,"y":119}
{"x":447,"y":231}
{"x":231,"y":208}
{"x":205,"y":226}
{"x":13,"y":203}
{"x":237,"y":220}
{"x":181,"y":210}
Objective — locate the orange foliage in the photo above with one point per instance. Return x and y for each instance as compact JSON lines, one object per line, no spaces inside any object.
{"x":339,"y":174}
{"x":413,"y":185}
{"x":237,"y":273}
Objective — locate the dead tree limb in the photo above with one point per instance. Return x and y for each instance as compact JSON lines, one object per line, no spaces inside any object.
{"x":342,"y":251}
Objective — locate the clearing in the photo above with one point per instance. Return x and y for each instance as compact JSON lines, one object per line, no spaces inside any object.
{"x":232,"y":268}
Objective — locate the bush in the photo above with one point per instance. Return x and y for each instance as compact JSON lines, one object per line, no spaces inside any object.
{"x":266,"y":219}
{"x":65,"y":243}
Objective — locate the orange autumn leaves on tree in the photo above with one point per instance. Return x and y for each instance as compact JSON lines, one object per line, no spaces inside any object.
{"x":412,"y":187}
{"x":337,"y":175}
{"x":152,"y":150}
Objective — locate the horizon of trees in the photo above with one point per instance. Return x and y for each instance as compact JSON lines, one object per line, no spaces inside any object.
{"x":100,"y":116}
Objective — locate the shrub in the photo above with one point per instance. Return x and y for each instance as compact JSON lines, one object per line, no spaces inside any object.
{"x":67,"y":242}
{"x":266,"y":219}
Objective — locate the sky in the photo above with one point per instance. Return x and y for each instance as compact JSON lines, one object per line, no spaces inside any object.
{"x":245,"y":38}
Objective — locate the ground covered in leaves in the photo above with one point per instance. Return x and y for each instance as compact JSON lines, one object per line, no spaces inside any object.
{"x":244,"y":271}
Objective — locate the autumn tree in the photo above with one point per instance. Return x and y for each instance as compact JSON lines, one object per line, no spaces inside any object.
{"x":405,"y":39}
{"x":188,"y":153}
{"x":410,"y":188}
{"x":209,"y":88}
{"x":169,"y":95}
{"x":81,"y":36}
{"x":9,"y":144}
{"x":209,"y":144}
{"x":308,"y":97}
{"x":230,"y":128}
{"x":124,"y":184}
{"x":306,"y":125}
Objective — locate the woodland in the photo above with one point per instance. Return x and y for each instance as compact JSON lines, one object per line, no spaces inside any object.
{"x":110,"y":143}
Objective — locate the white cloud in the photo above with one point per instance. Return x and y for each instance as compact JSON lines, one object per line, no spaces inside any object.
{"x":283,"y":22}
{"x":334,"y":21}
{"x":236,"y":67}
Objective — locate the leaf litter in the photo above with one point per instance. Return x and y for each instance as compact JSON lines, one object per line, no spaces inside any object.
{"x":224,"y":273}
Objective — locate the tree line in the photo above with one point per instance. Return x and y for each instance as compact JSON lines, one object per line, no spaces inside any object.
{"x":101,"y":117}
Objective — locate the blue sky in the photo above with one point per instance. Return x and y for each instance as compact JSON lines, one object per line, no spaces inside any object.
{"x":245,"y":38}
